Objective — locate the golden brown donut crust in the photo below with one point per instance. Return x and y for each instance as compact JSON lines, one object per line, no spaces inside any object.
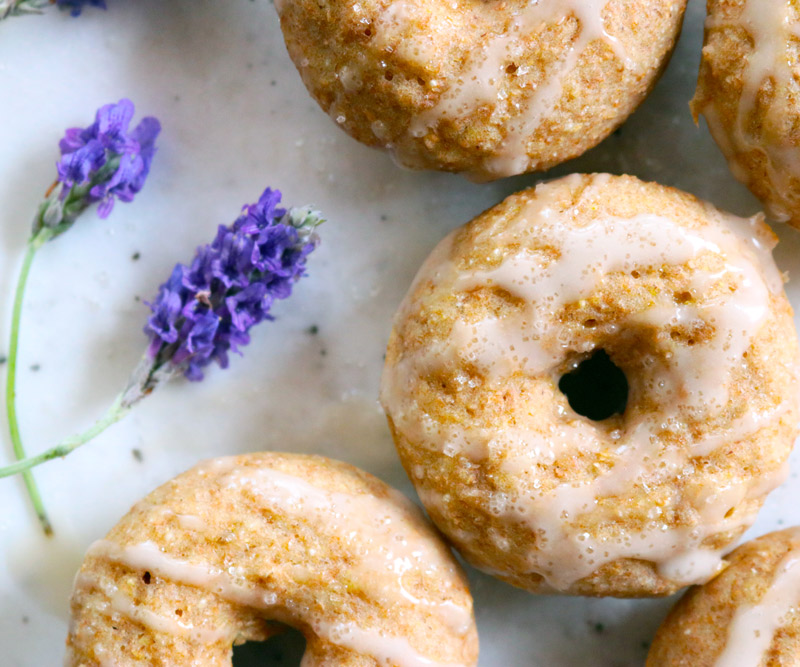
{"x":475,"y":498}
{"x":695,"y":632}
{"x":756,"y":123}
{"x":213,"y":557}
{"x":376,"y":66}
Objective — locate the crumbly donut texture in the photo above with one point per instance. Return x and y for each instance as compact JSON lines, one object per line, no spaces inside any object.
{"x":748,"y":615}
{"x":749,"y":93}
{"x":489,"y":89}
{"x":684,"y":299}
{"x":235,"y":547}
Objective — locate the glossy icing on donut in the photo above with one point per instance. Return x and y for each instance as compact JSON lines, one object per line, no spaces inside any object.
{"x":747,"y":616}
{"x":771,"y":25}
{"x":753,"y":627}
{"x":530,"y":342}
{"x":479,"y":82}
{"x":385,"y":549}
{"x":487,"y":89}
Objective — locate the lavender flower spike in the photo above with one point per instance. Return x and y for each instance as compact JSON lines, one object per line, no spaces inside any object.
{"x":99,"y":163}
{"x":206,"y":309}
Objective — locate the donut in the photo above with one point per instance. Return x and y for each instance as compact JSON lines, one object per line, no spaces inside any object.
{"x":238,"y":548}
{"x":670,"y":312}
{"x":747,"y":616}
{"x":489,"y":89}
{"x":749,"y":94}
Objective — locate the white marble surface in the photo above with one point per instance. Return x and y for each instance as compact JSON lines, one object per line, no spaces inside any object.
{"x":236,"y":118}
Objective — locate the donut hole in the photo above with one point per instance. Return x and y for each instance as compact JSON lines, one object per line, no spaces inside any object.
{"x":282,"y":650}
{"x":596,"y":388}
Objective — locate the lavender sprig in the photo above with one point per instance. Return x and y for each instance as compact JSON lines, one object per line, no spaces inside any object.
{"x":19,"y":7}
{"x":98,"y":164}
{"x":206,"y":309}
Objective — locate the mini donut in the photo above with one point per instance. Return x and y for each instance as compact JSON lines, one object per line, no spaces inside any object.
{"x":749,"y":92}
{"x":683,"y":301}
{"x":490,"y":89}
{"x":748,"y":616}
{"x":230,"y":550}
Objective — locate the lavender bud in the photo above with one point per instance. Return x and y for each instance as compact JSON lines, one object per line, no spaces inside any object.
{"x":99,"y":164}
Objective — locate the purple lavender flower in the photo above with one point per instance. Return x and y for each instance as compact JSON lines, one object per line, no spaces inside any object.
{"x":206,"y":309}
{"x":99,"y":164}
{"x":75,"y":7}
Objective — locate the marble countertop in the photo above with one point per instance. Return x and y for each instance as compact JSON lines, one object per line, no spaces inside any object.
{"x":236,"y":118}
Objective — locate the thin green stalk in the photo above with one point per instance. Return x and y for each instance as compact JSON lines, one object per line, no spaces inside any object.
{"x":20,"y":7}
{"x":11,"y":378}
{"x":116,"y":412}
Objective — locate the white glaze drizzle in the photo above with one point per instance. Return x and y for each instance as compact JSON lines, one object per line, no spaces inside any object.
{"x":394,"y":30}
{"x":190,"y":522}
{"x":769,"y":23}
{"x":753,"y":627}
{"x":480,"y":81}
{"x":120,"y":603}
{"x":530,"y":342}
{"x":388,"y":650}
{"x":185,"y":521}
{"x":382,"y":547}
{"x":148,"y":556}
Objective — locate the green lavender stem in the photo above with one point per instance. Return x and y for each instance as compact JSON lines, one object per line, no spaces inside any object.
{"x":55,"y":215}
{"x":116,"y":412}
{"x":36,"y":242}
{"x":19,"y":7}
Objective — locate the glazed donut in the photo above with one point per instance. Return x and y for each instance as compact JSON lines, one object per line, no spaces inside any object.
{"x":749,"y":93}
{"x":747,"y":616}
{"x":683,"y":302}
{"x":231,"y":549}
{"x":490,"y":89}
